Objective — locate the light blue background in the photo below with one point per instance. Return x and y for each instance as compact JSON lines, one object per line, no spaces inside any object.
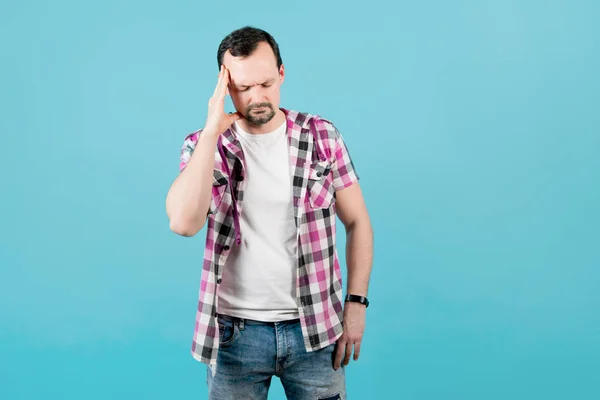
{"x":474,"y":126}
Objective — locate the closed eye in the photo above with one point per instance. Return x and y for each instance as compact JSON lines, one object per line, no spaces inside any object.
{"x":246,"y":88}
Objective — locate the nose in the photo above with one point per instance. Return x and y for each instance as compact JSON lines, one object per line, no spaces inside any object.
{"x":258,"y":94}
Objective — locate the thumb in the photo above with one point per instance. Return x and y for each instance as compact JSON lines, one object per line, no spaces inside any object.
{"x":236,"y":116}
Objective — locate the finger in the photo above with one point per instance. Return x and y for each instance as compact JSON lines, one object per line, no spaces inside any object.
{"x":339,"y":354}
{"x":220,"y":77}
{"x":356,"y":350}
{"x":235,"y":116}
{"x":223,"y":83}
{"x":218,"y":81}
{"x":340,"y":350}
{"x":348,"y":354}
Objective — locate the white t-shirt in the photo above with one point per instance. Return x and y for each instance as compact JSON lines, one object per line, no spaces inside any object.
{"x":258,"y":279}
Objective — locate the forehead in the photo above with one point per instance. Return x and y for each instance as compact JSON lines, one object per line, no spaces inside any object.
{"x":259,"y":66}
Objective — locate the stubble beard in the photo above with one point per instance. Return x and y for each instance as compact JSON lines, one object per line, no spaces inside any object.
{"x":260,"y":118}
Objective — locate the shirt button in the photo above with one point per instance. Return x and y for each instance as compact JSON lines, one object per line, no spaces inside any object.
{"x":225,"y":248}
{"x":219,"y":281}
{"x":319,"y":173}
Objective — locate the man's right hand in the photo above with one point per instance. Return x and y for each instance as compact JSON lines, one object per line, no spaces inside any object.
{"x":218,"y":121}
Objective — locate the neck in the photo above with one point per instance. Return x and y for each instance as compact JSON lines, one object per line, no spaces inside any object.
{"x":265,"y":128}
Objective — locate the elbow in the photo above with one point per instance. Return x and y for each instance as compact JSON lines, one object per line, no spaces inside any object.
{"x":181,"y":222}
{"x":184,"y":228}
{"x":363,"y":225}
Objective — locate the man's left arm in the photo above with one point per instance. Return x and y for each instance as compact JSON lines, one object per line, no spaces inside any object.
{"x":352,"y":211}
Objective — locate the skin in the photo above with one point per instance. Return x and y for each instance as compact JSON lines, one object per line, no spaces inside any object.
{"x":256,"y":81}
{"x":252,"y":82}
{"x":352,"y":211}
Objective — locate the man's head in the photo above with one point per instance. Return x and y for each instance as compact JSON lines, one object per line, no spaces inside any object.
{"x":256,"y":73}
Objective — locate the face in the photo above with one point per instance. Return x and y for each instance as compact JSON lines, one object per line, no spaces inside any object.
{"x":255,"y":83}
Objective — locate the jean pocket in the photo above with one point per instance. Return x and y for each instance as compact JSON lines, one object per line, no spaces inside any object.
{"x":228,"y":333}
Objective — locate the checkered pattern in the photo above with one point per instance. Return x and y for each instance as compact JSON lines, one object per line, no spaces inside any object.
{"x":322,"y":165}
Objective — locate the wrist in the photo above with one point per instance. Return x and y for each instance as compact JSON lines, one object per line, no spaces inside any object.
{"x":357,"y":299}
{"x":210,"y":136}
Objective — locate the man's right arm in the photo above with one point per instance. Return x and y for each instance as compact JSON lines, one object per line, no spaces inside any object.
{"x":188,"y":199}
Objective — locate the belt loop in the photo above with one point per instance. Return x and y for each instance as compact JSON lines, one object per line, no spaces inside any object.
{"x":241,"y":324}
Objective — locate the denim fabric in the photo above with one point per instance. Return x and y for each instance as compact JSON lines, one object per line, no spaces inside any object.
{"x":252,"y":352}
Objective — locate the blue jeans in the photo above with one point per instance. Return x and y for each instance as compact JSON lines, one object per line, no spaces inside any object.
{"x":252,"y":352}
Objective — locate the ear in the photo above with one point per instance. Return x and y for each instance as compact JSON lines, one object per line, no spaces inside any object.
{"x":281,"y":73}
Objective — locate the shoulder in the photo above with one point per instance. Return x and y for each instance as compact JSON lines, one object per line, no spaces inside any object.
{"x":192,"y":138}
{"x":324,"y":127}
{"x":187,"y":148}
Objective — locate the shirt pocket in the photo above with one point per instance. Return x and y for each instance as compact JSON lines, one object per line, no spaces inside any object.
{"x":321,"y":191}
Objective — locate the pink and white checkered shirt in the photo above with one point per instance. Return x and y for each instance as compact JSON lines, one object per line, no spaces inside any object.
{"x":321,"y":165}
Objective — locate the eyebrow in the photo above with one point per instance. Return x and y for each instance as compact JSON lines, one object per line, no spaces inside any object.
{"x":262,"y":83}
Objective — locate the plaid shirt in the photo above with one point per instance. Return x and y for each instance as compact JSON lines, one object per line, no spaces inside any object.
{"x":321,"y":165}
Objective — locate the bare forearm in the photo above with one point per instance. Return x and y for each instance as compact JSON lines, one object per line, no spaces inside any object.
{"x":189,"y":197}
{"x":359,"y":256}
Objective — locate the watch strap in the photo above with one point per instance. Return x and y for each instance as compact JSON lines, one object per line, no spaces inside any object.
{"x":357,"y":299}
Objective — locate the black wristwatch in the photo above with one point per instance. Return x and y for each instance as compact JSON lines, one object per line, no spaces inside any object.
{"x":357,"y":299}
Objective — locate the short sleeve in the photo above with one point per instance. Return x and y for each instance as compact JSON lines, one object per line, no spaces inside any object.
{"x":219,"y":177}
{"x":189,"y":144}
{"x":344,"y":173}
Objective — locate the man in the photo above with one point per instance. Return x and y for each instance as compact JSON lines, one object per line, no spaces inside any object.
{"x":270,"y":182}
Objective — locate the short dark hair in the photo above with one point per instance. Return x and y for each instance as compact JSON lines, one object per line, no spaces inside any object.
{"x":242,"y":42}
